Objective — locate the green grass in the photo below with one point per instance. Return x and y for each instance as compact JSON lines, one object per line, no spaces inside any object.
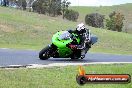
{"x":60,"y":77}
{"x":27,"y":30}
{"x":113,"y":42}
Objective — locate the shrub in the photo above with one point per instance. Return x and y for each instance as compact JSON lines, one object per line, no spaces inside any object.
{"x":115,"y":21}
{"x":71,"y":15}
{"x":94,"y":20}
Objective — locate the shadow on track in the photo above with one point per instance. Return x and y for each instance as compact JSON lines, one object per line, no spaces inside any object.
{"x":69,"y":60}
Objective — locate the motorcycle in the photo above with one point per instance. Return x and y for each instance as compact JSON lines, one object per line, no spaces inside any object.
{"x":63,"y":46}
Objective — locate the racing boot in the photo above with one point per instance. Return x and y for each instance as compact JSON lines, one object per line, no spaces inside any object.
{"x":82,"y":54}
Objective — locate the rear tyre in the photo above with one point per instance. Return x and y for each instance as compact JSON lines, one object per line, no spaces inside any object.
{"x":76,"y":55}
{"x":44,"y":54}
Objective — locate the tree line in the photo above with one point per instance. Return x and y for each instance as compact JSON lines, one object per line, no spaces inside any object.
{"x":59,"y":7}
{"x":46,"y":7}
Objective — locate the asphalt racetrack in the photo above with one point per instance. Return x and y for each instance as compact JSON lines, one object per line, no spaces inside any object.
{"x":26,"y":57}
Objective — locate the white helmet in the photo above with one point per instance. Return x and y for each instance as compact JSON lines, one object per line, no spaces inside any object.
{"x":80,"y":27}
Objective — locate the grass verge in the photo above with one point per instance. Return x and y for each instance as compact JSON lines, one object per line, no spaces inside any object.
{"x":60,"y":77}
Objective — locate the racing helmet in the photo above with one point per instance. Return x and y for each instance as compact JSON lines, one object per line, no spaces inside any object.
{"x":80,"y":27}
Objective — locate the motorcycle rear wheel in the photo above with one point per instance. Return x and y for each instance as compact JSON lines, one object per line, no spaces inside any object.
{"x":76,"y":55}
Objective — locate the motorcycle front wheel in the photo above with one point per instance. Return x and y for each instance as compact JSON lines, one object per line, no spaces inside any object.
{"x":44,"y":54}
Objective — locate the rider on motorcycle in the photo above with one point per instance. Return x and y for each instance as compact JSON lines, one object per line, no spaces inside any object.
{"x":85,"y":37}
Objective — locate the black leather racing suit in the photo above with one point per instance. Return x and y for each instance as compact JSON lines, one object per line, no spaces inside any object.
{"x":85,"y":40}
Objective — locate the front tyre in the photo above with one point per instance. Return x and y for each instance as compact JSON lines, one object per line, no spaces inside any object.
{"x":44,"y":54}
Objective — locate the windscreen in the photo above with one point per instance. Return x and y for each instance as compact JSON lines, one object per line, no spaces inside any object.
{"x":65,"y":36}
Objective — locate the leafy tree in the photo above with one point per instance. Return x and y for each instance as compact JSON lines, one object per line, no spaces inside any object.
{"x":52,"y":7}
{"x":64,"y":5}
{"x":22,"y":4}
{"x":45,"y":7}
{"x":29,"y":3}
{"x":115,"y":21}
{"x":37,"y":6}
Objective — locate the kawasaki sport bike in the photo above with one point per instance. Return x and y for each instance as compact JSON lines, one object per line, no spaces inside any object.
{"x":62,"y":46}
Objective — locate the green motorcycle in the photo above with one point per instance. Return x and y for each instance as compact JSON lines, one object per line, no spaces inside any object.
{"x":61,"y":46}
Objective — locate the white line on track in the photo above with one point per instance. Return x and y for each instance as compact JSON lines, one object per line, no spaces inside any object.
{"x":61,"y":64}
{"x":4,"y":48}
{"x":73,"y":64}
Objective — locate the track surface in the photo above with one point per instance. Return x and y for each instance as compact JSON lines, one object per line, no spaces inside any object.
{"x":25,"y":57}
